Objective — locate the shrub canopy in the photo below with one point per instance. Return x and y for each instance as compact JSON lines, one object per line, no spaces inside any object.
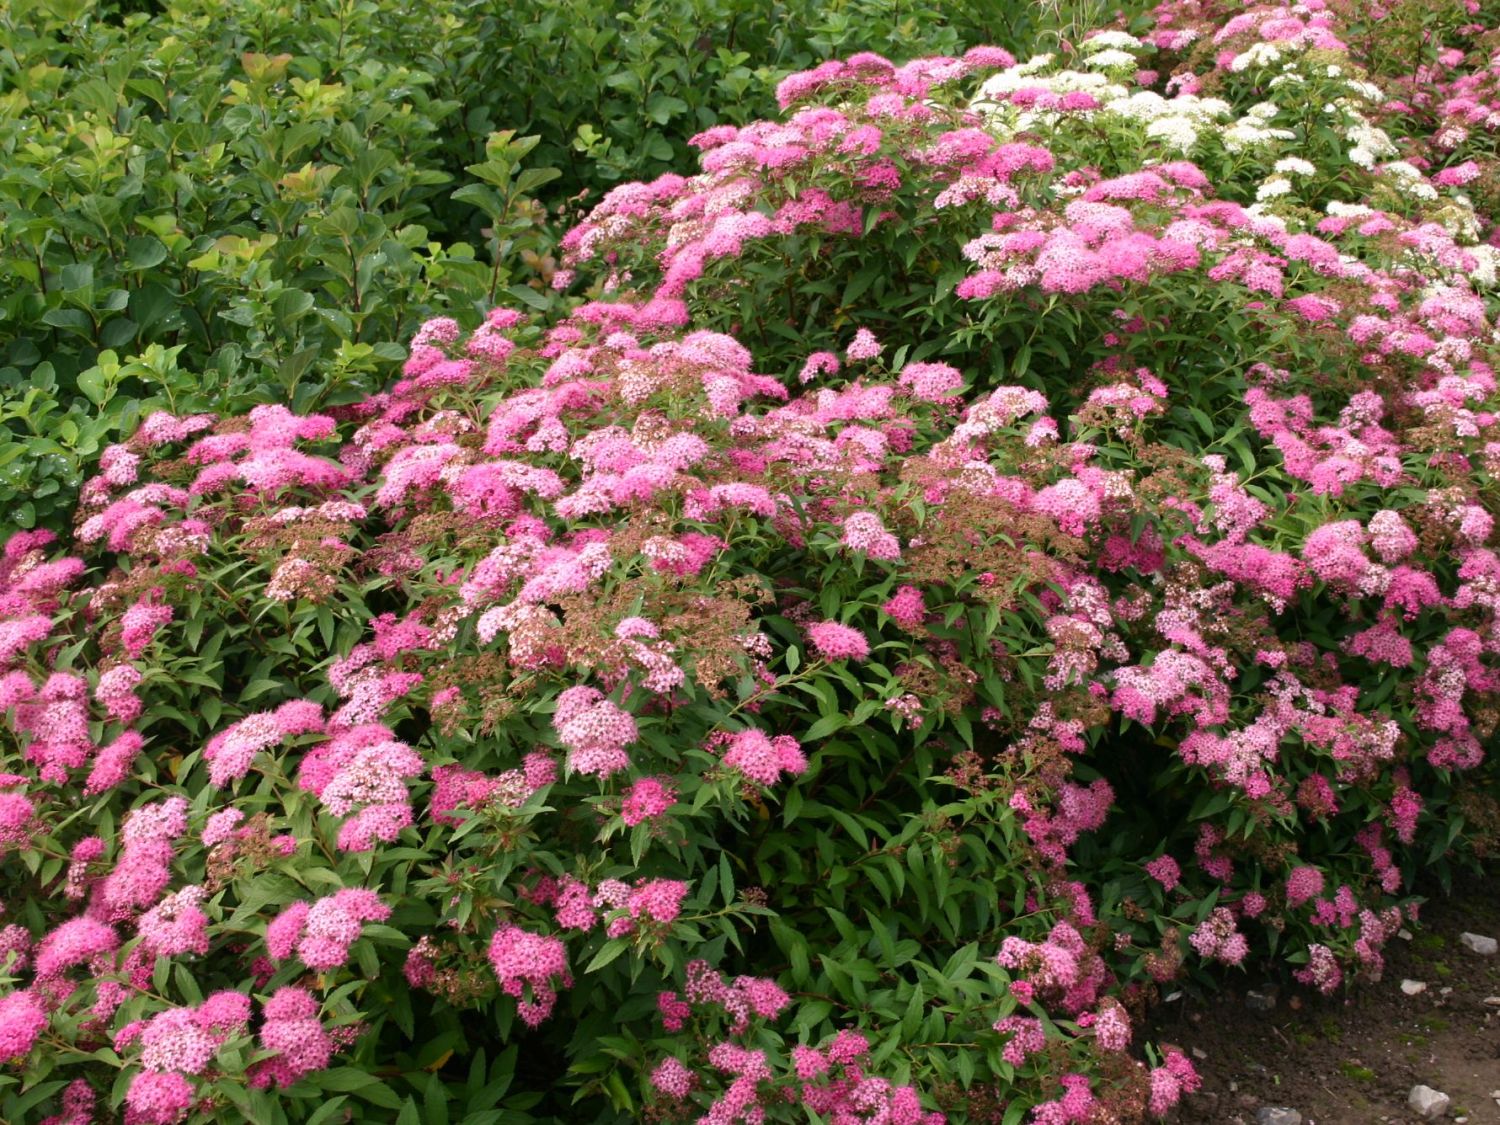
{"x":999,"y":540}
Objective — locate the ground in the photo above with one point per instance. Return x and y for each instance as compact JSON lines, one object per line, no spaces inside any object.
{"x":1353,"y":1060}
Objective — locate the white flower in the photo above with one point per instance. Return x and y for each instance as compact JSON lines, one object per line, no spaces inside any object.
{"x":1110,"y":60}
{"x":1294,"y":166}
{"x":1116,"y":39}
{"x":1261,"y":54}
{"x":1272,"y":188}
{"x":1177,"y":132}
{"x":1484,"y":273}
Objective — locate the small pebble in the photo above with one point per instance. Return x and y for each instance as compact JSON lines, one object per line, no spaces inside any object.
{"x":1260,"y":1001}
{"x":1413,"y":987}
{"x":1404,"y":934}
{"x":1277,"y":1115}
{"x":1492,"y":1001}
{"x":1199,"y":1053}
{"x":1479,"y":943}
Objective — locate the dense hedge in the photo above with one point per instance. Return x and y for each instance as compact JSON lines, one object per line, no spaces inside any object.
{"x":999,"y":541}
{"x":211,"y":205}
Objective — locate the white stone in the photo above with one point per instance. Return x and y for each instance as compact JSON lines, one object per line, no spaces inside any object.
{"x":1277,"y":1115}
{"x":1413,"y":987}
{"x":1478,"y":943}
{"x":1427,"y":1102}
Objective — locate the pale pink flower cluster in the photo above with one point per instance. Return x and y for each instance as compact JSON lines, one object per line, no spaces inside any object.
{"x":931,"y":382}
{"x":321,"y":933}
{"x":139,"y":626}
{"x":1218,"y":938}
{"x":594,"y":730}
{"x":1175,"y":1077}
{"x":231,"y":751}
{"x":144,"y":866}
{"x":762,"y":758}
{"x":293,"y":1030}
{"x":739,"y":1000}
{"x":361,"y":773}
{"x":864,"y":531}
{"x":656,"y":901}
{"x":863,"y":346}
{"x":1060,"y":968}
{"x":176,"y":924}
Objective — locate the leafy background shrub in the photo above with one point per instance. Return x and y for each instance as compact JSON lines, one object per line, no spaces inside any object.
{"x":273,"y":195}
{"x":1000,"y":541}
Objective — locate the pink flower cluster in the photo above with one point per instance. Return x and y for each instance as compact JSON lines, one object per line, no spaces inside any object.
{"x":321,"y":933}
{"x":529,"y":967}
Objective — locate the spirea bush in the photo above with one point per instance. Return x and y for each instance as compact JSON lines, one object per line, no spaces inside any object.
{"x":212,"y":205}
{"x":1000,"y":541}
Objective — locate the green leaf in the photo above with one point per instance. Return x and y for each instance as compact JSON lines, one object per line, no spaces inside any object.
{"x":143,"y":252}
{"x":607,"y":953}
{"x":94,"y":385}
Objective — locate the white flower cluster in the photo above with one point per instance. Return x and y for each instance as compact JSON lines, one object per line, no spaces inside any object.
{"x":1111,"y":41}
{"x":1299,"y":92}
{"x":1254,"y":130}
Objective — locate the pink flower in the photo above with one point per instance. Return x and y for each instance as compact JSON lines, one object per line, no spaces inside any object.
{"x":659,"y":899}
{"x":1165,"y":871}
{"x":838,"y":642}
{"x":864,"y":531}
{"x":1071,"y":503}
{"x":672,"y":1078}
{"x":221,"y":826}
{"x":116,"y":693}
{"x":1112,"y":1027}
{"x":156,"y":1098}
{"x":139,"y":626}
{"x":283,"y":931}
{"x":292,"y":1029}
{"x":931,"y":382}
{"x":526,"y":962}
{"x":22,"y":1018}
{"x":762,"y":758}
{"x":1302,"y":884}
{"x":907,"y":608}
{"x":594,"y":730}
{"x":863,"y":346}
{"x":16,"y":812}
{"x":176,"y":924}
{"x":72,"y":943}
{"x":334,"y":923}
{"x":648,"y":798}
{"x":818,"y":363}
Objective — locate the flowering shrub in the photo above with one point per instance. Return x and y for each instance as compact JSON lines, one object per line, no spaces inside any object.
{"x":966,"y":559}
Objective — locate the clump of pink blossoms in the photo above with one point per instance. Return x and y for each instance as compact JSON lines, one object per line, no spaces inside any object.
{"x":527,"y":963}
{"x":833,"y":641}
{"x":321,"y":933}
{"x":594,"y":730}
